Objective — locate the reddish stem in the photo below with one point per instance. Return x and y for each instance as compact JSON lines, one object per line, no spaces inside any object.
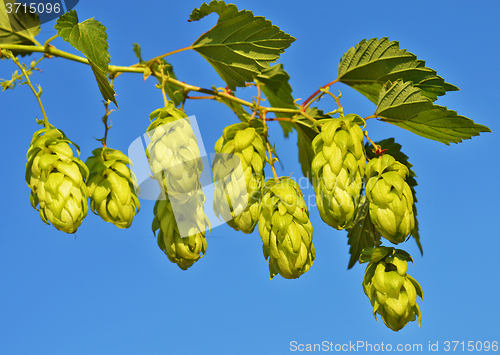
{"x":318,"y":91}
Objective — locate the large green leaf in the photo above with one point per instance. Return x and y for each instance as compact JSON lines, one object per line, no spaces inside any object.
{"x":369,"y":65}
{"x":403,"y":105}
{"x":278,"y":92}
{"x":362,"y":233}
{"x":240,"y":46}
{"x":90,"y":38}
{"x":171,"y":90}
{"x":18,"y":28}
{"x":394,"y":149}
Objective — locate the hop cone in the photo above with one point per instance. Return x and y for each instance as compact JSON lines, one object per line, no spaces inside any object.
{"x":57,"y":180}
{"x":184,"y":251}
{"x":338,"y":167}
{"x":111,"y":187}
{"x":285,"y":229}
{"x":173,"y":153}
{"x":238,"y":172}
{"x":391,"y":199}
{"x":392,"y":292}
{"x":175,"y":161}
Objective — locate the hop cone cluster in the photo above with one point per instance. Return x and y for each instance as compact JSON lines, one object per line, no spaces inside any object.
{"x":338,"y":168}
{"x":175,"y":161}
{"x":112,"y":187}
{"x":57,"y":180}
{"x":391,"y":199}
{"x":285,"y":229}
{"x":392,"y":292}
{"x":182,"y":250}
{"x":238,"y":172}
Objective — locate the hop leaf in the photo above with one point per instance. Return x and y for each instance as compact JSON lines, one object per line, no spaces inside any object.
{"x":240,"y":46}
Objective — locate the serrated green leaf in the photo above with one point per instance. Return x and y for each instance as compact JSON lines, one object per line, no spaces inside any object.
{"x":171,"y":90}
{"x":278,"y":92}
{"x":403,"y":105}
{"x":18,"y":28}
{"x":277,"y":89}
{"x":107,"y":91}
{"x":415,"y":233}
{"x":394,"y":149}
{"x":240,"y":46}
{"x":369,"y":65}
{"x":305,"y":137}
{"x":89,"y":37}
{"x":362,"y":234}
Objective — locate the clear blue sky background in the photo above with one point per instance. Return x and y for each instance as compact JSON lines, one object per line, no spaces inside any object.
{"x":110,"y":291}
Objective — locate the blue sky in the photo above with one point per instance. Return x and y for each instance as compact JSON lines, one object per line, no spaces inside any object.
{"x":106,"y":290}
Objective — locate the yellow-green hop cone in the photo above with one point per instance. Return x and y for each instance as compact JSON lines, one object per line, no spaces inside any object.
{"x":391,"y":199}
{"x":173,"y":153}
{"x":57,"y":180}
{"x":112,"y":187}
{"x":285,"y":229}
{"x":183,"y":251}
{"x":238,"y":174}
{"x":338,"y":168}
{"x":392,"y":292}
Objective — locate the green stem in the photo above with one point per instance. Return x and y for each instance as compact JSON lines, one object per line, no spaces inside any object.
{"x":152,"y":60}
{"x":28,"y":81}
{"x":163,"y":77}
{"x":52,"y":51}
{"x":46,"y":44}
{"x":105,"y":121}
{"x":271,"y":162}
{"x":307,"y":116}
{"x":113,"y":70}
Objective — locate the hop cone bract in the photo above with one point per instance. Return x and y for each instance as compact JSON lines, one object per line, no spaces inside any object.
{"x":238,"y":173}
{"x":182,"y":250}
{"x":285,"y":229}
{"x":391,"y":199}
{"x":392,"y":292}
{"x":57,"y":180}
{"x":338,"y":168}
{"x":112,"y":187}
